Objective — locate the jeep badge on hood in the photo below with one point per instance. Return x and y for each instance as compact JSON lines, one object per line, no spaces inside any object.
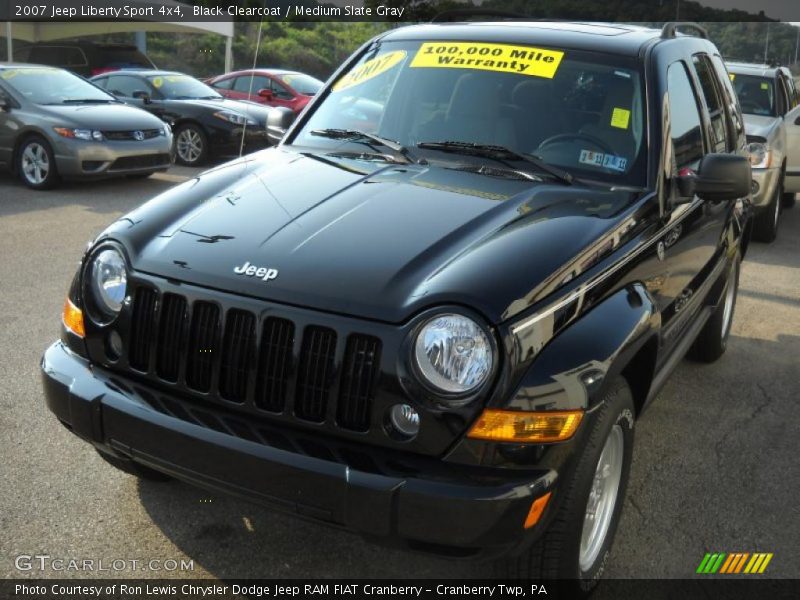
{"x":251,"y":270}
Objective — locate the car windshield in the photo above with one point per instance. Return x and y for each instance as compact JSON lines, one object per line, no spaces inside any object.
{"x":582,"y":112}
{"x":181,"y":87}
{"x":756,"y":94}
{"x":301,"y":83}
{"x":43,"y":85}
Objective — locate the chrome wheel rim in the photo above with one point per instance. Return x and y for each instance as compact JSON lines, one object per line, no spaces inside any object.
{"x":35,"y":163}
{"x":727,"y":309}
{"x":189,"y":145}
{"x":602,"y":499}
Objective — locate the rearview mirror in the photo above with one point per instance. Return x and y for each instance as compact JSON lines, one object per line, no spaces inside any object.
{"x":143,"y":96}
{"x":266,"y":94}
{"x":720,"y":177}
{"x":278,"y":121}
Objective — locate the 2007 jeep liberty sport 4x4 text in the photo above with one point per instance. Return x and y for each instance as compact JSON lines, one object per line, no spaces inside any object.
{"x":433,"y":313}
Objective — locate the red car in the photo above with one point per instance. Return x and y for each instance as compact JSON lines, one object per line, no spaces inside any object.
{"x":273,"y":87}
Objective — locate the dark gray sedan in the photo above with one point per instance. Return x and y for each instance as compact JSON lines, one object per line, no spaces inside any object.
{"x":54,"y":124}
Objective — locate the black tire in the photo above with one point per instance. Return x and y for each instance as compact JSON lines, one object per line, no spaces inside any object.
{"x":132,"y":468}
{"x":765,"y":228}
{"x":713,"y":339}
{"x":788,"y":200}
{"x":34,"y":157}
{"x":556,"y":554}
{"x":185,"y":133}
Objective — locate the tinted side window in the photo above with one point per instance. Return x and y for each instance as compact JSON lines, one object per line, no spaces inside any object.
{"x":224,"y":84}
{"x":259,"y":82}
{"x":736,"y":125}
{"x":709,"y":86}
{"x":125,"y":85}
{"x":785,"y":103}
{"x":280,"y":91}
{"x":686,"y":128}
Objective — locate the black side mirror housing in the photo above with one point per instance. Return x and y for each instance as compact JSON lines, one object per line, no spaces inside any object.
{"x":720,"y":178}
{"x":279,"y":120}
{"x":143,"y":96}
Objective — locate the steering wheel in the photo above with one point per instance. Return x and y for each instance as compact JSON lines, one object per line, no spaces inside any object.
{"x":562,"y":137}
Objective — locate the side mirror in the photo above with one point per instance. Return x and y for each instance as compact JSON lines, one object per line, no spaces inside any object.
{"x":143,"y":96}
{"x":266,"y":94}
{"x":720,"y":177}
{"x":278,"y":121}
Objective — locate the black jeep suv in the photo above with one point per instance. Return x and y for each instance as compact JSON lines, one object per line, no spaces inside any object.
{"x":434,"y":312}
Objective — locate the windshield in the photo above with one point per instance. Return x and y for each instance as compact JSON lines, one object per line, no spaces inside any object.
{"x":301,"y":83}
{"x":181,"y":87}
{"x":42,"y":85}
{"x":756,"y":94}
{"x":583,"y":112}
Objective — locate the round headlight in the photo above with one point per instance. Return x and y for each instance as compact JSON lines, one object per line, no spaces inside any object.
{"x":453,"y":354}
{"x":109,"y":279}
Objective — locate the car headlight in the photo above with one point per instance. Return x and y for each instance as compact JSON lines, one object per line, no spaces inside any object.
{"x":109,"y":281}
{"x":79,"y":134}
{"x":760,"y":155}
{"x":453,"y":354}
{"x":235,"y":118}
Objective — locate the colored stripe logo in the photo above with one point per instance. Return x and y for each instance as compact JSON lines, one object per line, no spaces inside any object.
{"x":734,"y":563}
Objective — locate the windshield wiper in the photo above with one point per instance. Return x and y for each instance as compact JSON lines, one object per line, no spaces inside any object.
{"x":88,"y":101}
{"x":400,"y":151}
{"x":498,"y":153}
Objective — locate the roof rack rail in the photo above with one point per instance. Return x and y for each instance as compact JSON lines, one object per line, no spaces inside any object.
{"x":670,"y":29}
{"x":461,"y":14}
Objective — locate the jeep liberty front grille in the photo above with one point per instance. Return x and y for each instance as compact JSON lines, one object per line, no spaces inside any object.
{"x":218,"y":353}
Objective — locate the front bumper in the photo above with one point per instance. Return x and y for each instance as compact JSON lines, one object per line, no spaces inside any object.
{"x":463,"y":513}
{"x":767,"y":181}
{"x":85,"y":159}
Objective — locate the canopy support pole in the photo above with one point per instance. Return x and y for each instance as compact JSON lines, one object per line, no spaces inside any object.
{"x":229,"y":54}
{"x":9,"y":43}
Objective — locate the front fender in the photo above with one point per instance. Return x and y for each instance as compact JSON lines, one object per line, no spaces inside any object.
{"x":571,"y":370}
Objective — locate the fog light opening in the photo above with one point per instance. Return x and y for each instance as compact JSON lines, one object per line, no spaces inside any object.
{"x":403,"y":421}
{"x":114,"y":345}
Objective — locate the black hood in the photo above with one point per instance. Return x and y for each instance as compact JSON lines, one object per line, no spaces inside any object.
{"x":366,"y":238}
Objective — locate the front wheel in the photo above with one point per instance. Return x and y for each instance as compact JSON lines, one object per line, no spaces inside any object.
{"x":765,"y":228}
{"x":576,"y":546}
{"x":36,"y":164}
{"x":191,"y":145}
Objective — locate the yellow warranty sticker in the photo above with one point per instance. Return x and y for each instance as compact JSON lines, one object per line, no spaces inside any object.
{"x":620,"y":118}
{"x":368,"y":70}
{"x":764,"y":86}
{"x":158,"y":82}
{"x":524,"y":60}
{"x":732,"y":76}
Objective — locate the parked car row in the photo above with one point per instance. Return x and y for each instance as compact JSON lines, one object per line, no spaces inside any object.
{"x":227,"y":114}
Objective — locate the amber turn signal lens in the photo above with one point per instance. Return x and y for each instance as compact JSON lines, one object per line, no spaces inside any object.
{"x":72,"y":317}
{"x":537,"y":508}
{"x":520,"y":426}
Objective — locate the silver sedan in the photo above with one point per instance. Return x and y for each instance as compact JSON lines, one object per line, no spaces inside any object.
{"x":54,"y":125}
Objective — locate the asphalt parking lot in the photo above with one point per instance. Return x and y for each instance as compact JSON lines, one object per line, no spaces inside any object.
{"x":715,"y":469}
